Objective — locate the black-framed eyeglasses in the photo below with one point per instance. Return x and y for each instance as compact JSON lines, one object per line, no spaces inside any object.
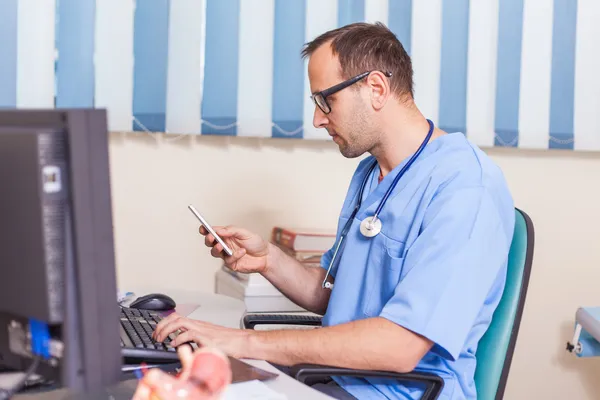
{"x":320,"y":98}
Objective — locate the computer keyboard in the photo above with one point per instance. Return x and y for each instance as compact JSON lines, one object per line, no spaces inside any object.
{"x":137,"y":345}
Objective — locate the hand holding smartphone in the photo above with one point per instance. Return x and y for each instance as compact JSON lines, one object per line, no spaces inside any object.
{"x":209,"y":228}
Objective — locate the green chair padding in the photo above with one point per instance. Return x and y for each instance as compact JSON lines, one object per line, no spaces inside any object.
{"x":495,"y":350}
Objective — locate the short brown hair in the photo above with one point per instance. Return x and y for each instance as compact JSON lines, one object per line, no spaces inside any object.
{"x":364,"y":47}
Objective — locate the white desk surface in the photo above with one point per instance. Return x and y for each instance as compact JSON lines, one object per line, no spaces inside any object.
{"x":225,"y":311}
{"x":287,"y":385}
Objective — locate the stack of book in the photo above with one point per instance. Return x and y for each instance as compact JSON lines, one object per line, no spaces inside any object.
{"x":259,"y":295}
{"x":305,"y":245}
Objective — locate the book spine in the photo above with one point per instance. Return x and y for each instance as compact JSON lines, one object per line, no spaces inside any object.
{"x":283,"y":237}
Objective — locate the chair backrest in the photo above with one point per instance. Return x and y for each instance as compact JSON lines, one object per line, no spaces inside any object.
{"x":495,"y":350}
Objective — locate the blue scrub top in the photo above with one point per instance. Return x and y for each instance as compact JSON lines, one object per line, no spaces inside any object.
{"x":437,"y":268}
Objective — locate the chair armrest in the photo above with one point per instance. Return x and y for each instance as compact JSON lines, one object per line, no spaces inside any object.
{"x":303,"y":372}
{"x":434,"y":383}
{"x":251,"y":320}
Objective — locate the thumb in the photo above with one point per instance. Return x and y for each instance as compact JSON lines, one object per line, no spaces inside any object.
{"x":232,"y":232}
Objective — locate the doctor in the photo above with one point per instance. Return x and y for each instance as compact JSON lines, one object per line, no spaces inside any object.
{"x":425,"y":232}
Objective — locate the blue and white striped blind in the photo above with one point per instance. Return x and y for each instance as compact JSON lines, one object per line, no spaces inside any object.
{"x":517,"y":73}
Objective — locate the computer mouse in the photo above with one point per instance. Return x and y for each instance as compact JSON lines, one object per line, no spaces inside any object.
{"x":154,"y":301}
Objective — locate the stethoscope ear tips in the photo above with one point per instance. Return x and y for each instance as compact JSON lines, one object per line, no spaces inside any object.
{"x":328,"y":285}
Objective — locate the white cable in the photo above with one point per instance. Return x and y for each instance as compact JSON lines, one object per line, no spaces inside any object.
{"x":287,"y":133}
{"x":6,"y":394}
{"x":507,"y":144}
{"x":146,"y":130}
{"x":298,"y":130}
{"x":220,"y":127}
{"x":561,"y":141}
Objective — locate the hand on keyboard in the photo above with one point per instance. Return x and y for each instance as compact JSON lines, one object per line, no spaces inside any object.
{"x":137,"y":344}
{"x":233,"y":342}
{"x":205,"y":375}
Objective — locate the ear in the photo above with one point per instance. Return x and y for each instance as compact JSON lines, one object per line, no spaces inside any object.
{"x":379,"y":85}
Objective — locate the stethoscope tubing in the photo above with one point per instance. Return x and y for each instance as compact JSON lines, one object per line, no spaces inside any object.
{"x":346,"y":229}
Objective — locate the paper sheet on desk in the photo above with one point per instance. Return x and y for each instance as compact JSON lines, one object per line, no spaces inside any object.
{"x":253,"y":390}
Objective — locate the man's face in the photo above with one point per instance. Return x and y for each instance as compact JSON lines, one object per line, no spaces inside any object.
{"x":350,"y":122}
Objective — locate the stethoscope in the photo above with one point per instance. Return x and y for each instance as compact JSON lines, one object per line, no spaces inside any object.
{"x":371,"y":226}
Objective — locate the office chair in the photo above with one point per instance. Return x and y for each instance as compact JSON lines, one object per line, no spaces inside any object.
{"x":495,"y":349}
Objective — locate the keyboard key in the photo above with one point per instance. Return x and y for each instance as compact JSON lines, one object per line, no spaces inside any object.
{"x":137,"y":327}
{"x":148,"y":329}
{"x":137,"y":342}
{"x":126,"y":341}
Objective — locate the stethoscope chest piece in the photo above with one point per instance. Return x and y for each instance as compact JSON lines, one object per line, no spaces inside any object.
{"x":370,"y":227}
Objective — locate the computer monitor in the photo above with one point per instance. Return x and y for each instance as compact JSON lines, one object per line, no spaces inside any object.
{"x":57,"y":283}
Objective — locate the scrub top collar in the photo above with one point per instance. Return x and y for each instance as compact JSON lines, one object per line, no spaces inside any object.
{"x":375,"y":190}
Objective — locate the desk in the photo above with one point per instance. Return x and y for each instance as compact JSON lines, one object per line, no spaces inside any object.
{"x":287,"y":385}
{"x":214,"y":308}
{"x":225,"y":311}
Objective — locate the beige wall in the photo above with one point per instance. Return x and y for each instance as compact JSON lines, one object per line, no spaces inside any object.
{"x":303,"y":183}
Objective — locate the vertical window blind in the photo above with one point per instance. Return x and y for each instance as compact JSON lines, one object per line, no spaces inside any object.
{"x":510,"y":73}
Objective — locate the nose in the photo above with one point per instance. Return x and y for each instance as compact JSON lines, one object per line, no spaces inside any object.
{"x":320,"y":119}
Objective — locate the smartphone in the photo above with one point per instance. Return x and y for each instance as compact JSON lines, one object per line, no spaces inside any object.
{"x":210,"y":229}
